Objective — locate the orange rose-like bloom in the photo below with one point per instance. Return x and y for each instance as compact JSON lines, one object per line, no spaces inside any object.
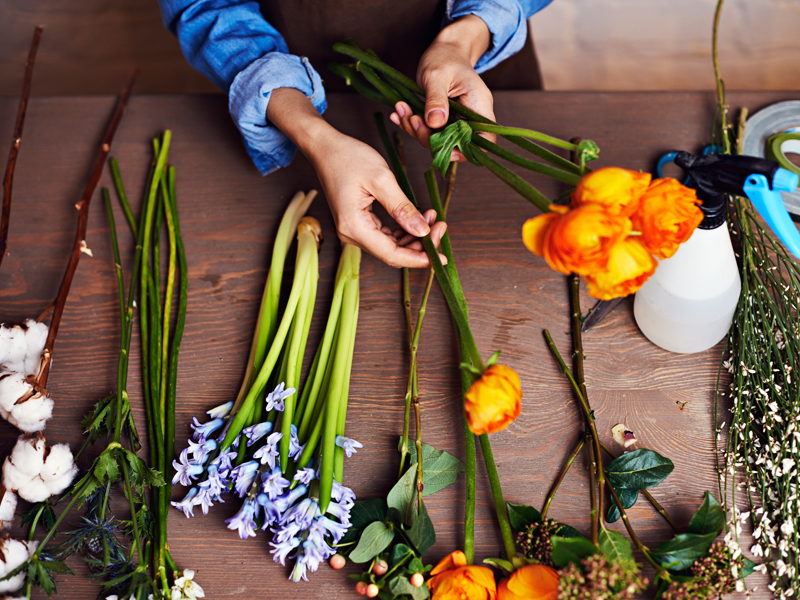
{"x":617,"y":190}
{"x":579,"y":241}
{"x":493,"y":401}
{"x":533,"y":582}
{"x":667,"y":216}
{"x":630,"y":264}
{"x":454,"y":579}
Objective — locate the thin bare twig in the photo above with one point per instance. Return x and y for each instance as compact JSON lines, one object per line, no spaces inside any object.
{"x":15,"y":142}
{"x":80,"y":237}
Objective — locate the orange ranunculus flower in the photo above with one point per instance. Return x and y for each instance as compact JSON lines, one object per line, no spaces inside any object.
{"x":493,"y":401}
{"x":454,"y":579}
{"x":617,"y":190}
{"x":533,"y":582}
{"x":667,"y":216}
{"x":630,"y":264}
{"x":533,"y":232}
{"x":579,"y":241}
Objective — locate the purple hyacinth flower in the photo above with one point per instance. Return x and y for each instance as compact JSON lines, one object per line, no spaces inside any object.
{"x":275,"y":398}
{"x":221,"y":411}
{"x":343,"y":495}
{"x":187,"y":504}
{"x":303,"y":514}
{"x":294,"y":443}
{"x":256,"y":432}
{"x":300,"y":568}
{"x":204,"y":430}
{"x":281,"y":551}
{"x":304,"y":476}
{"x":223,"y":463}
{"x":286,"y":533}
{"x":272,"y":514}
{"x":244,"y":520}
{"x":334,"y":529}
{"x":283,"y":503}
{"x":201,"y":448}
{"x":274,"y":483}
{"x":185,"y":469}
{"x":269,"y":451}
{"x":339,"y":512}
{"x":243,"y":477}
{"x":349,"y":445}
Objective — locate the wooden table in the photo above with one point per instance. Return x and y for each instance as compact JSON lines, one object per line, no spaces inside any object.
{"x":229,"y":215}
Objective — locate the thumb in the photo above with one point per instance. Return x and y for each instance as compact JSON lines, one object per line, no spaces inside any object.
{"x":437,"y":108}
{"x":402,"y":210}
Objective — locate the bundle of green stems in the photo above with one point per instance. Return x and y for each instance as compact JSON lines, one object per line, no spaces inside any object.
{"x":389,"y":86}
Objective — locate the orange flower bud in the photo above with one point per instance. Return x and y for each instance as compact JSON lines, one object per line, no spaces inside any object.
{"x":617,"y":190}
{"x":454,"y":579}
{"x":629,"y":266}
{"x":493,"y":401}
{"x":667,"y":216}
{"x":579,"y":241}
{"x":533,"y":582}
{"x":533,"y":232}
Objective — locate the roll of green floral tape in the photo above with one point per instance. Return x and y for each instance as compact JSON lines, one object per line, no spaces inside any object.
{"x":781,"y":144}
{"x":769,"y":122}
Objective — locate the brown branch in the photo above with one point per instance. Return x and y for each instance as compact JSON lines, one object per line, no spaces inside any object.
{"x":83,"y":216}
{"x":15,"y":142}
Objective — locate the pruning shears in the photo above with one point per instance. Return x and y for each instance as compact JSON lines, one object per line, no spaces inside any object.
{"x":715,"y":175}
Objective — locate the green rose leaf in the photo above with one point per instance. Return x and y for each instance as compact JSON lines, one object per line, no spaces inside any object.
{"x":402,"y":496}
{"x":521,"y":516}
{"x":638,"y":470}
{"x":570,"y":550}
{"x":422,"y":533}
{"x":362,"y":514}
{"x":440,"y":468}
{"x":709,"y":518}
{"x":627,"y":498}
{"x":401,"y":586}
{"x":615,"y":546}
{"x":374,"y":540}
{"x":681,"y":551}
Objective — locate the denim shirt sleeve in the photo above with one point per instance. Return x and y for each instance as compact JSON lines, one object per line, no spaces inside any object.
{"x":507,"y":21}
{"x":231,"y":43}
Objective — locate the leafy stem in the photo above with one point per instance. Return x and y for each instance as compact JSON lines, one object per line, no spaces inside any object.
{"x":564,"y":471}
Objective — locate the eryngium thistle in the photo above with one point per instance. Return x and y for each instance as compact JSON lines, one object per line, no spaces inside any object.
{"x":599,"y":579}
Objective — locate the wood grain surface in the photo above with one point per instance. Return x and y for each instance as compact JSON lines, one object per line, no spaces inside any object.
{"x":229,"y":216}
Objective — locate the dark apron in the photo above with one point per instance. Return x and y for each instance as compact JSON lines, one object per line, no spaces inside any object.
{"x":399,"y":32}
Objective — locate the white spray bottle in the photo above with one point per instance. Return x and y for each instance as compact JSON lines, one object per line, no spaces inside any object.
{"x":688,"y":304}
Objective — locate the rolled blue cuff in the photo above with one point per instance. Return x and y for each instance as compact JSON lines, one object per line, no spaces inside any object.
{"x":248,"y":99}
{"x":506,"y":21}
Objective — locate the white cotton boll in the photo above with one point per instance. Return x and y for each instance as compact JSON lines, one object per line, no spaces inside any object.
{"x":58,"y":463}
{"x":13,"y":346}
{"x":13,"y":478}
{"x":57,"y":486}
{"x":12,"y":387}
{"x":35,"y":338}
{"x":28,"y":455}
{"x":14,"y":553}
{"x":8,"y":504}
{"x":32,"y":415}
{"x":34,"y":491}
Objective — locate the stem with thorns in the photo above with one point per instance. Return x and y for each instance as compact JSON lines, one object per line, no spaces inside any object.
{"x":561,"y":476}
{"x":16,"y":139}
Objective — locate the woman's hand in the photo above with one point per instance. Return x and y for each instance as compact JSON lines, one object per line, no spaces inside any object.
{"x":353,"y":176}
{"x":446,"y":70}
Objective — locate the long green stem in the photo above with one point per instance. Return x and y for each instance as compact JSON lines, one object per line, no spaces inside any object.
{"x":559,"y":174}
{"x":660,"y":570}
{"x":497,"y":496}
{"x":515,"y":182}
{"x":520,"y":132}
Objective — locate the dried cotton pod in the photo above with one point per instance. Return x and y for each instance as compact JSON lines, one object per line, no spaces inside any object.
{"x":13,"y":348}
{"x":8,"y":504}
{"x":623,"y":436}
{"x":36,"y":472}
{"x":22,"y":405}
{"x":12,"y":554}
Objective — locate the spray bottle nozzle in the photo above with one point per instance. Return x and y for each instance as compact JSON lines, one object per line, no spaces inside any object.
{"x":759,"y":179}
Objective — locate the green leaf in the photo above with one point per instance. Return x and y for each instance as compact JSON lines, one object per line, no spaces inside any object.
{"x":399,"y":553}
{"x":499,"y":563}
{"x":638,"y":470}
{"x":709,"y":518}
{"x":401,"y":586}
{"x":456,"y":135}
{"x":105,"y":467}
{"x":567,"y":531}
{"x":422,"y":534}
{"x":521,"y":516}
{"x":681,"y":551}
{"x":749,"y":567}
{"x":440,"y":469}
{"x":362,"y":514}
{"x":374,"y":540}
{"x":570,"y":550}
{"x":415,"y":566}
{"x":627,"y":498}
{"x":402,"y":496}
{"x":142,"y":476}
{"x":615,"y":546}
